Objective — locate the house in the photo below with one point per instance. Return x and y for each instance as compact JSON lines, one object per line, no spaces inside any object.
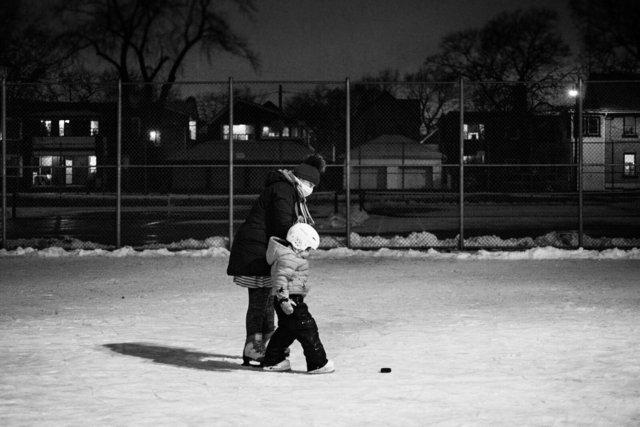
{"x":58,"y":145}
{"x":73,"y":145}
{"x":386,"y":151}
{"x":395,"y":162}
{"x":150,"y":136}
{"x":610,"y":132}
{"x":524,"y":143}
{"x":263,"y":137}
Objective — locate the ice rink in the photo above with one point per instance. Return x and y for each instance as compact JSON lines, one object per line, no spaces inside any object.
{"x":155,"y":339}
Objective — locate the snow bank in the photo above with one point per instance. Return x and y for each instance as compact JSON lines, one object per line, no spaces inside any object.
{"x":548,"y":252}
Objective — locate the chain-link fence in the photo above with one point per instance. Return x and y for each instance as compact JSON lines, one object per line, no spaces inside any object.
{"x":180,"y":165}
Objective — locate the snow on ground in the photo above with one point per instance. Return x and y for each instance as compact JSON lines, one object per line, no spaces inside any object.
{"x":540,"y":337}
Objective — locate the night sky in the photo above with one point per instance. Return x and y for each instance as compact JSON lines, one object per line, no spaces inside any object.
{"x":334,"y":39}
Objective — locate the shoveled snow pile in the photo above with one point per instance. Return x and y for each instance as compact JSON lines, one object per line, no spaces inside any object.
{"x":414,"y":240}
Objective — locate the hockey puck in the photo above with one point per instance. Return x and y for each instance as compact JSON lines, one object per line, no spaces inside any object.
{"x":385,"y":370}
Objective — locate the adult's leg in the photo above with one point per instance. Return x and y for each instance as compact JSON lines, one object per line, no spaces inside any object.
{"x":256,"y":309}
{"x":268,"y":322}
{"x":255,"y":320}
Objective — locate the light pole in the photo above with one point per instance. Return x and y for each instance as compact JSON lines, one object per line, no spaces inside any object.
{"x":573,"y":93}
{"x":578,"y":93}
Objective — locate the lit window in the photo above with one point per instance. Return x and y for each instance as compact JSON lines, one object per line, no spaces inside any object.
{"x":473,"y":131}
{"x":154,"y":137}
{"x":285,"y":132}
{"x":61,"y":126}
{"x":630,"y":164}
{"x":477,"y":158}
{"x":591,"y":126}
{"x":241,"y":132}
{"x":629,"y":126}
{"x":192,"y":130}
{"x":93,"y":162}
{"x":46,"y":127}
{"x":68,"y":171}
{"x":44,"y":173}
{"x":269,"y":132}
{"x":95,"y":127}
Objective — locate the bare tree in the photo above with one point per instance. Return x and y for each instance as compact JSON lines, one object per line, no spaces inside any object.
{"x":428,"y":85}
{"x":149,"y":40}
{"x":210,"y":104}
{"x":523,"y":46}
{"x":435,"y":94}
{"x":610,"y":34}
{"x":30,"y":52}
{"x":79,"y":84}
{"x":323,"y":109}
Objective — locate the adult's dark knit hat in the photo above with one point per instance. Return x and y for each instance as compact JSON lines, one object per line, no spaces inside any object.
{"x":311,"y":168}
{"x":307,"y":172}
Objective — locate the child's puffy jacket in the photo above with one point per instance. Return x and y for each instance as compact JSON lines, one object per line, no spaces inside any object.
{"x":289,"y":270}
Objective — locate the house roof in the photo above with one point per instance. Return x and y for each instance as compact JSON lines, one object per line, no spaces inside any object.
{"x":55,"y":109}
{"x":264,"y":151}
{"x":38,"y":109}
{"x":612,"y":93}
{"x":383,"y":114}
{"x":251,"y":109}
{"x":187,"y":107}
{"x":396,"y":146}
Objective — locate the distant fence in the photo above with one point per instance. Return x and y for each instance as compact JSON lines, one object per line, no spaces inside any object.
{"x":446,"y":165}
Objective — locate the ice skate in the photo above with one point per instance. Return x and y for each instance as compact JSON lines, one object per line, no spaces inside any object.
{"x":326,"y":369}
{"x":283,"y":366}
{"x":254,"y":349}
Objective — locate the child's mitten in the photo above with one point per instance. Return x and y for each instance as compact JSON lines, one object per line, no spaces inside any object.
{"x":287,"y":306}
{"x":285,"y":303}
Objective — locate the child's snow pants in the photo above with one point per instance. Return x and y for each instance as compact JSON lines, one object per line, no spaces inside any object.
{"x":300,"y":326}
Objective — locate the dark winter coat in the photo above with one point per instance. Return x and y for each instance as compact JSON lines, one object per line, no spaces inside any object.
{"x":271,"y":215}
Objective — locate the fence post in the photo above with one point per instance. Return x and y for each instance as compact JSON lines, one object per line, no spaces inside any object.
{"x":119,"y":169}
{"x":347,"y":91}
{"x":461,"y":169}
{"x":230,"y":162}
{"x":4,"y":164}
{"x":580,"y":167}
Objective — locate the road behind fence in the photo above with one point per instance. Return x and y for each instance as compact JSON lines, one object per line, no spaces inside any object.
{"x":124,"y":172}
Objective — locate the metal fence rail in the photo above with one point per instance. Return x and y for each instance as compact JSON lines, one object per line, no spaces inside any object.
{"x":448,"y":165}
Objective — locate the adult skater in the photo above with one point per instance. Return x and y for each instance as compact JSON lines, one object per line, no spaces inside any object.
{"x":281,"y":204}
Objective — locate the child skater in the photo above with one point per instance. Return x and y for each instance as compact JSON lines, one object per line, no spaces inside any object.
{"x":289,"y":274}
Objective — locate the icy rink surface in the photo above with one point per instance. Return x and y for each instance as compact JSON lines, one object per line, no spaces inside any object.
{"x":156,"y":341}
